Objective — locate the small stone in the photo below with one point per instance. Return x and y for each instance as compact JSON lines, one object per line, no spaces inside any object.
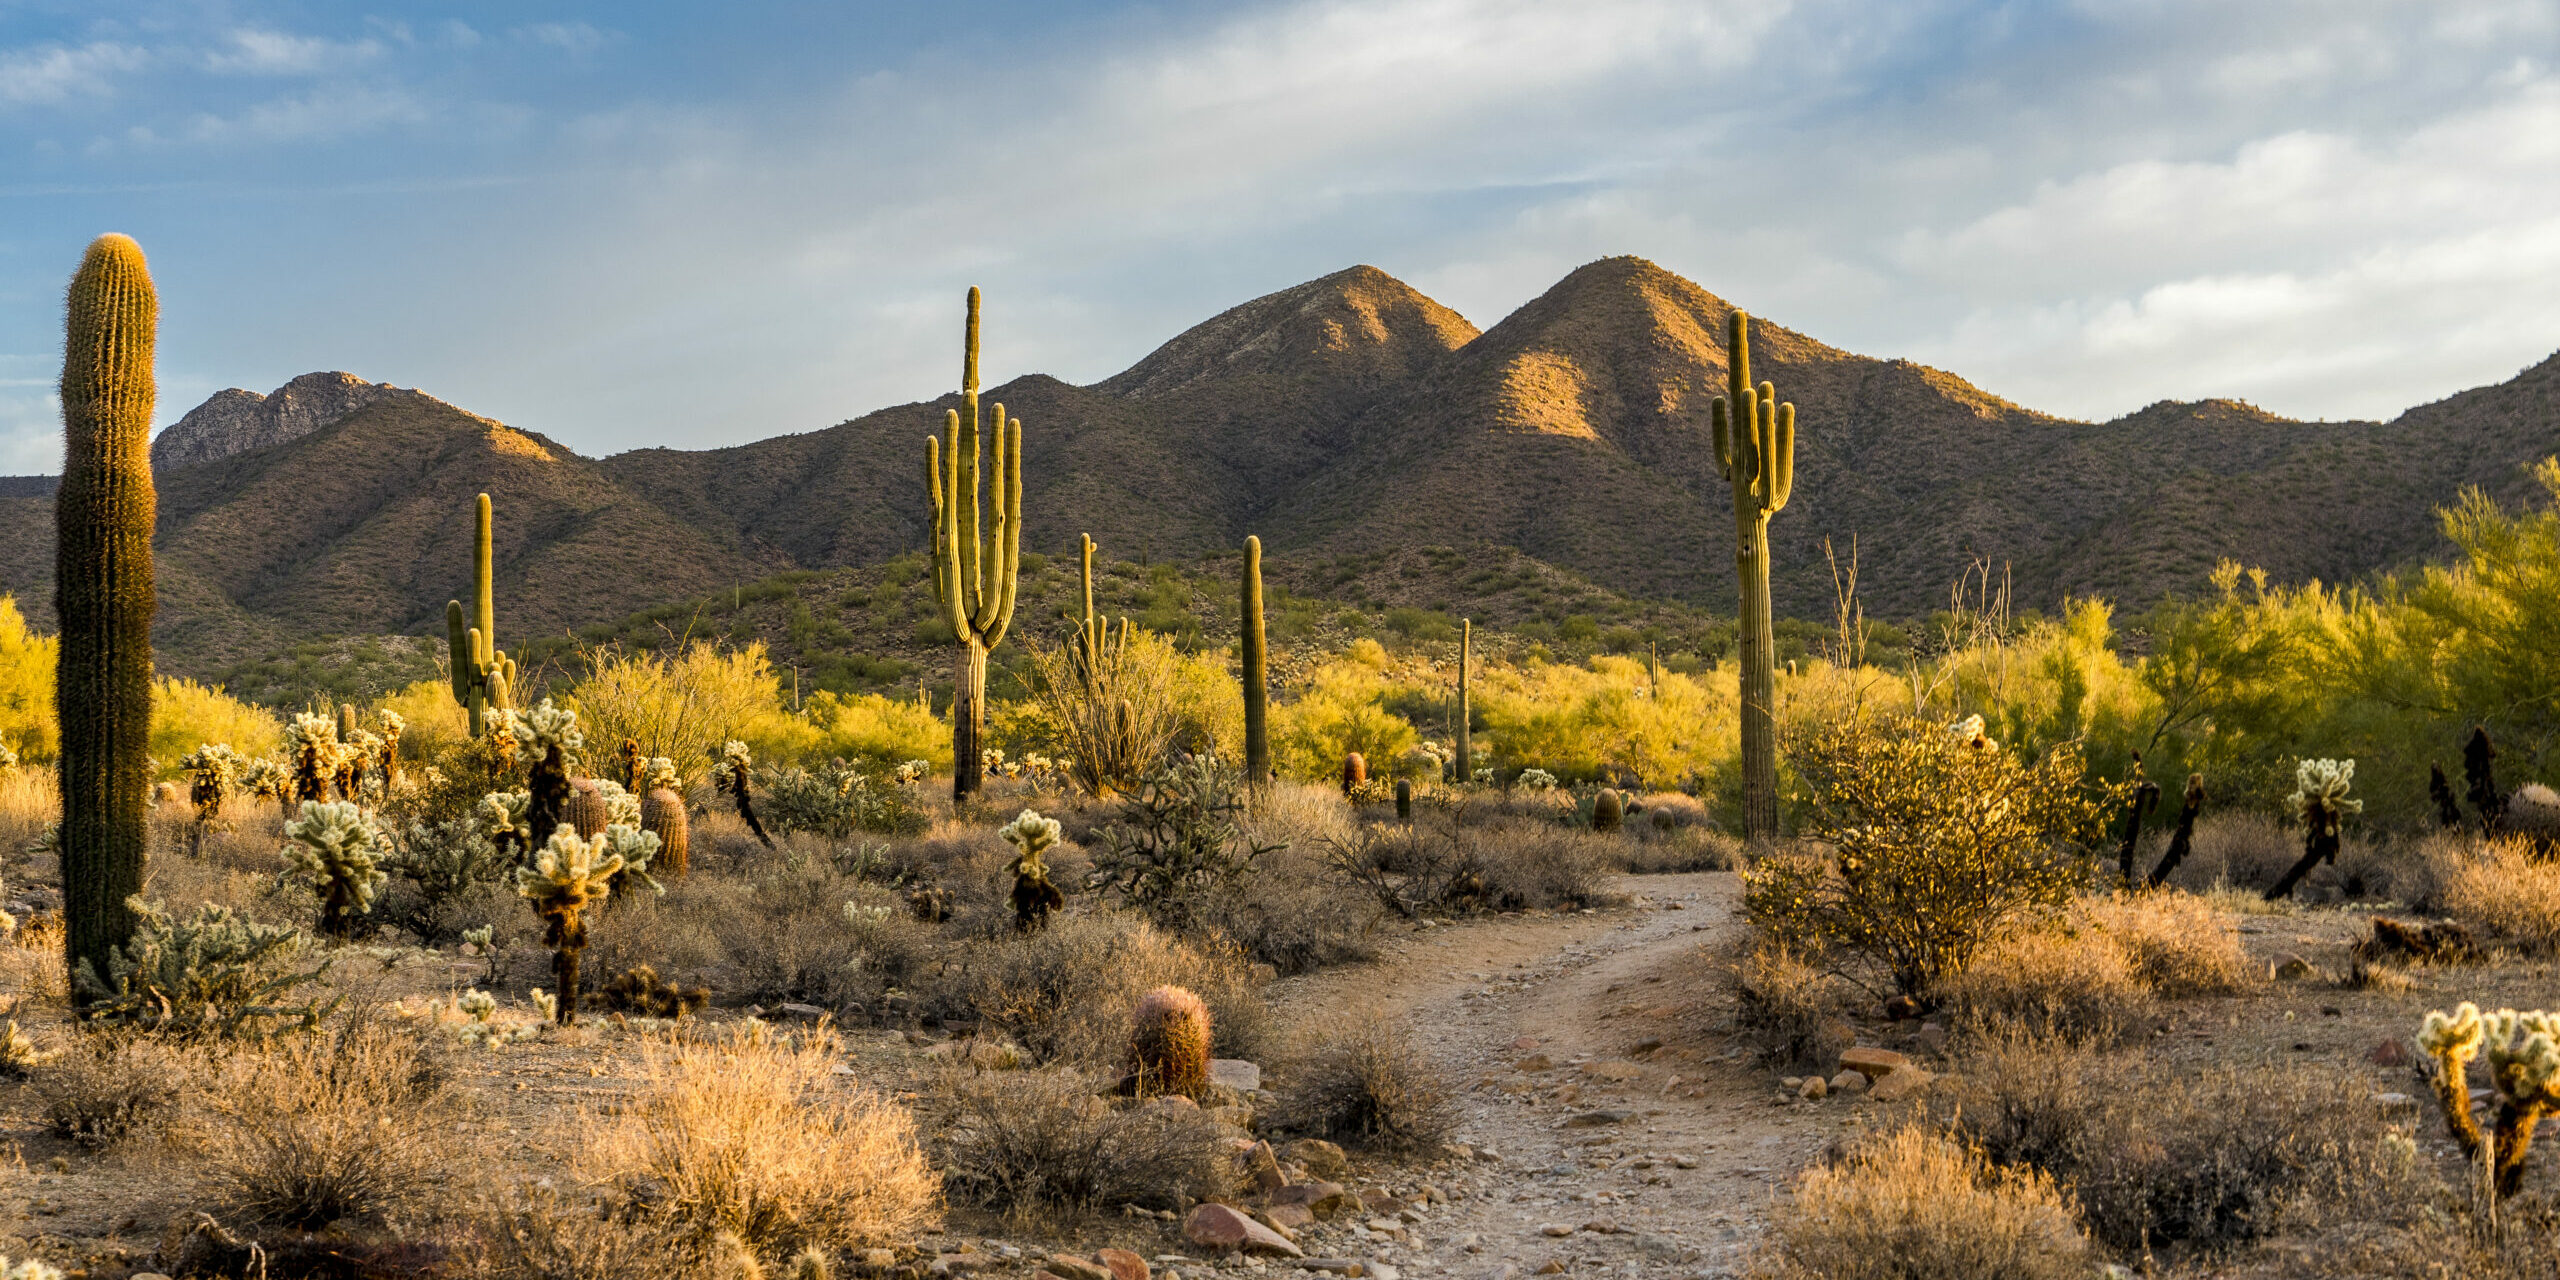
{"x":1534,"y":1062}
{"x":1223,"y":1227}
{"x":2393,"y":1052}
{"x":1262,"y":1169}
{"x":1235,"y":1073}
{"x":1849,"y":1082}
{"x":1595,"y":1119}
{"x":1553,"y":1268}
{"x":1814,"y":1088}
{"x":1871,"y":1062}
{"x":1901,"y":1084}
{"x":1684,"y":1162}
{"x":1288,"y":1218}
{"x":1646,"y":1046}
{"x":1555,"y":1229}
{"x":1791,"y":1082}
{"x":1337,"y":1266}
{"x":1124,"y":1264}
{"x":1488,"y":1155}
{"x":1383,"y":1271}
{"x":1525,"y":1043}
{"x":1322,"y":1158}
{"x":2292,"y":968}
{"x":1931,"y":1039}
{"x":804,"y":1012}
{"x":1068,"y":1266}
{"x":1326,"y":1200}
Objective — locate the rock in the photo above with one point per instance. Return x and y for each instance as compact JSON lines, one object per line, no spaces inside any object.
{"x":1660,"y":1248}
{"x":1289,"y":1218}
{"x":1871,"y":1062}
{"x":2395,"y":1102}
{"x":1326,"y":1200}
{"x":1322,"y":1158}
{"x":1170,"y":1105}
{"x":879,"y":1259}
{"x":1235,"y":1073}
{"x":1553,"y":1268}
{"x":1791,"y":1082}
{"x":1555,"y":1229}
{"x":1068,"y":1266}
{"x":1931,"y":1039}
{"x":804,"y":1012}
{"x":1595,"y":1119}
{"x":1224,"y":1228}
{"x":1337,"y":1266}
{"x":1849,"y":1082}
{"x":2393,"y":1052}
{"x":1900,"y":1084}
{"x":234,"y":421}
{"x":1383,"y":1271}
{"x":1488,"y":1155}
{"x":1686,"y":1162}
{"x":1814,"y":1088}
{"x":1525,"y":1043}
{"x":1124,"y":1264}
{"x":1645,"y":1046}
{"x":2293,"y":968}
{"x":1534,"y":1062}
{"x":1262,"y":1169}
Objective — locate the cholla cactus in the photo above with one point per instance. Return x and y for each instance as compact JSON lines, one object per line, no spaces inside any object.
{"x":621,"y":808}
{"x":27,"y":1269}
{"x":2524,"y":1068}
{"x":506,"y":817}
{"x":567,"y":877}
{"x":912,"y":772}
{"x":547,"y":727}
{"x":734,"y":773}
{"x":1537,"y":780}
{"x":337,"y":849}
{"x":1484,"y":777}
{"x":1970,"y":732}
{"x":18,"y":1054}
{"x":483,"y":1030}
{"x":545,"y":1003}
{"x":548,"y":737}
{"x":1033,"y":896}
{"x":315,"y":755}
{"x":266,"y":779}
{"x":213,"y":771}
{"x":636,"y":848}
{"x":659,"y":771}
{"x":2320,"y":800}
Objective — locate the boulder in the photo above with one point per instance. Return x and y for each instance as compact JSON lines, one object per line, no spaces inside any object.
{"x":1289,"y":1218}
{"x":1871,"y":1062}
{"x":1067,"y":1266}
{"x":1814,"y":1089}
{"x":1326,"y":1200}
{"x":2293,"y":968}
{"x":1124,"y":1264}
{"x":1226,"y":1229}
{"x":1262,"y":1169}
{"x":1322,"y":1158}
{"x":1849,"y":1082}
{"x":1900,"y":1084}
{"x":1235,"y":1073}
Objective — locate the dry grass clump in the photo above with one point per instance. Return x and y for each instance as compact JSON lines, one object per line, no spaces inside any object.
{"x":31,"y":960}
{"x":2177,"y":943}
{"x":1915,"y":1206}
{"x":1029,"y":1142}
{"x":1786,"y":1007}
{"x":780,"y":931}
{"x":110,"y":1089}
{"x":2501,"y":889}
{"x":2159,"y":1154}
{"x":1682,"y":848}
{"x":347,"y":1122}
{"x":1293,"y":914}
{"x":754,"y":1135}
{"x":1066,"y":992}
{"x":1369,"y":1087}
{"x":2070,"y":983}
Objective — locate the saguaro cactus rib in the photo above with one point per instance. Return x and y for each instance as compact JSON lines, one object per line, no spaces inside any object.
{"x":977,"y":599}
{"x":1756,"y":447}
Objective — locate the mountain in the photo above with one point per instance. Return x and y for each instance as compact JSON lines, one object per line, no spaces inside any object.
{"x":1351,"y":422}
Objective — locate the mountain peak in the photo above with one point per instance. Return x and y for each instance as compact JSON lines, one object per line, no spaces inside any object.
{"x":1359,"y":323}
{"x":234,"y":420}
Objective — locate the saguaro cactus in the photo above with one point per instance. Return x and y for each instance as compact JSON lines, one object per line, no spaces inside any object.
{"x":483,"y":675}
{"x":1466,"y":711}
{"x":103,"y":594}
{"x":975,"y":586}
{"x":1756,"y":446}
{"x":1257,"y":672}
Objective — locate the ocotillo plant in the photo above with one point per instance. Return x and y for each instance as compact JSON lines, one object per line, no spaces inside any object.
{"x":2183,"y":838}
{"x":1466,"y":738}
{"x":2320,"y":800}
{"x":1756,"y":446}
{"x":103,"y":594}
{"x":483,"y":675}
{"x":1257,"y":672}
{"x":975,"y":582}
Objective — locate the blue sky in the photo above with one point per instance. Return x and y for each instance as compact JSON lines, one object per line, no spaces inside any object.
{"x":641,"y":224}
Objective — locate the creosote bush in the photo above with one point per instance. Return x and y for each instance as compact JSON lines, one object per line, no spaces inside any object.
{"x":1066,"y":992}
{"x":1367,"y":1086}
{"x":349,"y":1122}
{"x":109,"y":1090}
{"x":1028,"y":1143}
{"x":1911,"y":1205}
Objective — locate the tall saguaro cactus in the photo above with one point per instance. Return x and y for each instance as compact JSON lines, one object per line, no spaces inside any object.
{"x":1257,"y":671}
{"x":103,"y":593}
{"x":974,"y":581}
{"x":483,"y":675}
{"x":1756,"y":446}
{"x":1466,"y":711}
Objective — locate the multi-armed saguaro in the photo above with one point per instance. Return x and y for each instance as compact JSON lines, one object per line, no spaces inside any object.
{"x":104,"y":596}
{"x":974,"y":582}
{"x":483,"y":675}
{"x":1756,"y":446}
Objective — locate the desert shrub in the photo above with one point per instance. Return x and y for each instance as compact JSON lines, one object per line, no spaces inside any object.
{"x":1336,"y":712}
{"x":1941,"y":841}
{"x":2501,"y":889}
{"x":1541,"y":865}
{"x":27,"y":721}
{"x":797,"y":928}
{"x":432,"y":721}
{"x":2159,"y":1153}
{"x":1179,"y":839}
{"x":1114,"y":716}
{"x":1683,"y":848}
{"x":1367,"y":1085}
{"x":2067,"y":983}
{"x":1912,"y":1205}
{"x":1450,"y":862}
{"x":1024,"y":1142}
{"x":754,"y":1135}
{"x":442,"y":868}
{"x":678,"y":703}
{"x":215,"y":974}
{"x":533,"y":1231}
{"x":2178,"y":944}
{"x":109,"y":1090}
{"x":1787,"y":1008}
{"x":1065,"y":993}
{"x":186,"y":715}
{"x":346,"y":1123}
{"x":877,"y":732}
{"x":834,"y":800}
{"x":1293,"y":914}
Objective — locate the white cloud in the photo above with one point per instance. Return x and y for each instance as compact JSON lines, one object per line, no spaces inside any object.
{"x":577,"y":39}
{"x":275,"y":53}
{"x":326,"y":113}
{"x":53,"y":73}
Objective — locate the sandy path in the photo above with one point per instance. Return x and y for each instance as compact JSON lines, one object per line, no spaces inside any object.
{"x":1659,"y":1161}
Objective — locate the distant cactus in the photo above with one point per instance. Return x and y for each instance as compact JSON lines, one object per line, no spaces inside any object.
{"x":2320,"y":800}
{"x":549,"y":739}
{"x":975,"y":582}
{"x":506,"y":818}
{"x":2480,"y":779}
{"x":337,"y":850}
{"x":1607,"y":811}
{"x":1169,"y":1044}
{"x":1404,"y":801}
{"x":1257,"y":672}
{"x":213,"y":771}
{"x":1355,"y":773}
{"x":265,"y":779}
{"x":633,"y":766}
{"x":392,"y":727}
{"x":104,"y":514}
{"x":315,"y":756}
{"x":2183,"y":839}
{"x":483,"y":675}
{"x":810,"y":1264}
{"x":2440,"y":791}
{"x":1466,"y":757}
{"x":1537,"y":780}
{"x":662,"y":814}
{"x":730,"y":773}
{"x":1756,"y":447}
{"x":1033,"y":896}
{"x":2524,"y":1078}
{"x":2146,"y":797}
{"x":567,"y":876}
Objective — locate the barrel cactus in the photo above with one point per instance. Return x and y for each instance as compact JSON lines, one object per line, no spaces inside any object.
{"x":338,"y":851}
{"x":662,"y":814}
{"x":1355,"y":773}
{"x":586,"y":807}
{"x":1607,"y":810}
{"x":1169,"y":1044}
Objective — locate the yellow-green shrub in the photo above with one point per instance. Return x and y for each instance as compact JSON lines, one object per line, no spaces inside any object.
{"x":432,"y":720}
{"x":186,"y":715}
{"x":26,"y":687}
{"x":682,"y":704}
{"x":881,"y":730}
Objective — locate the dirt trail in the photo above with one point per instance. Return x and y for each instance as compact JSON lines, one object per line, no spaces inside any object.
{"x":1613,"y":1156}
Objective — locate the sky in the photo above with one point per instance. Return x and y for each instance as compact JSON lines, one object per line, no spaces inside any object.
{"x":636,"y":224}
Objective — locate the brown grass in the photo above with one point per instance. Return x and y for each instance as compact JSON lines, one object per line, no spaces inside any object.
{"x":2177,"y":943}
{"x":2501,"y":890}
{"x":1027,"y":1143}
{"x":1369,"y":1087}
{"x":2070,"y":983}
{"x":110,"y":1089}
{"x":1914,"y":1206}
{"x":1787,"y":1007}
{"x":754,"y":1135}
{"x":348,"y":1122}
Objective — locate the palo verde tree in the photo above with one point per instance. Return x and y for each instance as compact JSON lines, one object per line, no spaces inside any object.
{"x":103,"y":593}
{"x":974,"y":581}
{"x":1756,"y":446}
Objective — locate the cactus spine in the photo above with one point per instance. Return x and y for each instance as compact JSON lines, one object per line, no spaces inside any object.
{"x":483,"y":675}
{"x":1466,"y":740}
{"x":976,"y":595}
{"x":104,"y":595}
{"x":1756,"y":446}
{"x":1257,"y":672}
